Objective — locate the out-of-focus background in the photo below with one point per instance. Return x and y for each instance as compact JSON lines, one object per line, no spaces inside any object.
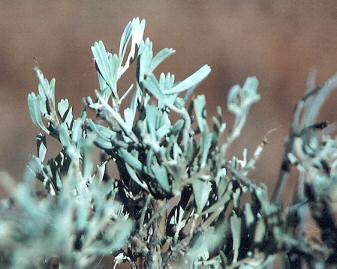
{"x":280,"y":42}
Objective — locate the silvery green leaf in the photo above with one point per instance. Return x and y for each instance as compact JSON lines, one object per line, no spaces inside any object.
{"x":100,"y":171}
{"x":41,"y":142}
{"x":235,"y":223}
{"x":134,"y":30}
{"x":250,"y":91}
{"x":160,"y":57}
{"x":69,"y":117}
{"x":201,"y":113}
{"x":108,"y":66}
{"x":138,"y":27}
{"x":160,"y":174}
{"x":129,"y":117}
{"x":130,"y":159}
{"x":260,"y":230}
{"x":201,"y":190}
{"x":177,"y":152}
{"x":191,"y":81}
{"x":199,"y":249}
{"x":249,"y":216}
{"x":137,"y":31}
{"x":134,"y":177}
{"x":104,"y":88}
{"x":87,"y":150}
{"x":36,"y":166}
{"x":126,"y":36}
{"x":240,"y":99}
{"x":52,"y":90}
{"x":64,"y":134}
{"x":46,"y":89}
{"x":165,"y":126}
{"x":233,"y":102}
{"x":206,"y":144}
{"x":310,"y":143}
{"x":119,"y":233}
{"x":103,"y":135}
{"x":315,"y":103}
{"x":151,"y":119}
{"x":222,"y":201}
{"x":166,"y":82}
{"x":207,"y":241}
{"x":82,"y":213}
{"x":63,"y":106}
{"x":146,"y":55}
{"x":236,"y":198}
{"x":177,"y":127}
{"x":191,"y":149}
{"x":35,"y":104}
{"x":152,"y":85}
{"x":76,"y":132}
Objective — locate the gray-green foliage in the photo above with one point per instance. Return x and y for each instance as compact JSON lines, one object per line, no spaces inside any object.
{"x":177,"y":200}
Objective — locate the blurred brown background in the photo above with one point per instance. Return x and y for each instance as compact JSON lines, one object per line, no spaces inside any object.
{"x":277,"y":41}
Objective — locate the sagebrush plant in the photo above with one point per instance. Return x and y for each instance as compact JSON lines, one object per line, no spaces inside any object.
{"x":177,"y":200}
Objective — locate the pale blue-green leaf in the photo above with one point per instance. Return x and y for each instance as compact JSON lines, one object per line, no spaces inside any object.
{"x":191,"y":81}
{"x":177,"y":152}
{"x":63,"y":106}
{"x":199,"y":248}
{"x":82,"y":213}
{"x":165,"y":126}
{"x":151,"y":119}
{"x":35,"y":104}
{"x":130,"y":159}
{"x":130,"y":113}
{"x":126,"y":36}
{"x":105,"y":91}
{"x":260,"y":230}
{"x":119,"y":233}
{"x":104,"y":135}
{"x":236,"y":198}
{"x":177,"y":127}
{"x":76,"y":133}
{"x":235,"y":223}
{"x":249,"y":216}
{"x":201,"y":113}
{"x":160,"y":57}
{"x":314,"y":104}
{"x":190,"y":151}
{"x":128,"y":116}
{"x":206,"y":143}
{"x":69,"y":117}
{"x":64,"y":134}
{"x":134,"y":177}
{"x":146,"y":55}
{"x":166,"y":82}
{"x":108,"y":65}
{"x":120,"y":120}
{"x":233,"y":102}
{"x":250,"y":91}
{"x":46,"y":89}
{"x":152,"y":85}
{"x":41,"y":142}
{"x":222,"y":201}
{"x":160,"y":174}
{"x":36,"y":166}
{"x":52,"y":90}
{"x":201,"y":190}
{"x":207,"y":242}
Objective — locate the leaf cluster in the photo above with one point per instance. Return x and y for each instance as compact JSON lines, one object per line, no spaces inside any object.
{"x":178,"y":200}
